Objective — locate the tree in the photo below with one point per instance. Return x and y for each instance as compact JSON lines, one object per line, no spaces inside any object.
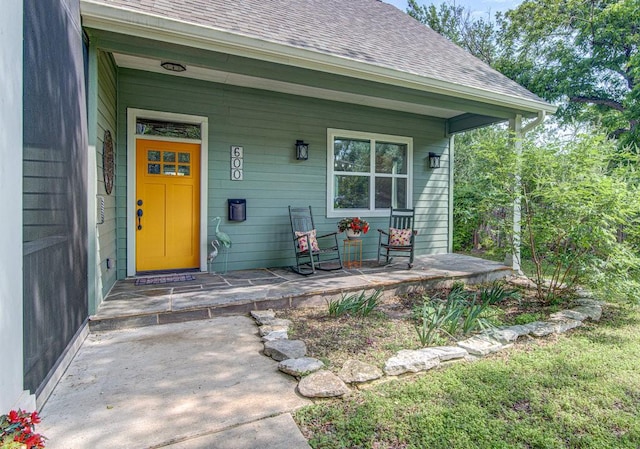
{"x":580,"y":54}
{"x":477,"y":36}
{"x":583,"y":54}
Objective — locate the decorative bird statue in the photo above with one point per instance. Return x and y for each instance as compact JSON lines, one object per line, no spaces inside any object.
{"x":214,"y":253}
{"x":221,"y":236}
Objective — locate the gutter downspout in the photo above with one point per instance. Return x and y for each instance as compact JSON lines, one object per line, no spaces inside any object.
{"x":537,"y":121}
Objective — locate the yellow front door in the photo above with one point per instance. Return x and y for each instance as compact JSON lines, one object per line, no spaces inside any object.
{"x":167,"y":199}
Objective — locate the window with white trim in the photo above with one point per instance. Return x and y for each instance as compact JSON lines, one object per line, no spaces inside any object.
{"x":367,"y":173}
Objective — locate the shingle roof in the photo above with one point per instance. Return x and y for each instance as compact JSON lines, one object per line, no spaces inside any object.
{"x":367,"y":31}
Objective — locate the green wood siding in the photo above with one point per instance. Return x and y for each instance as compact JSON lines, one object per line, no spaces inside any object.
{"x":267,"y":125}
{"x":106,"y":232}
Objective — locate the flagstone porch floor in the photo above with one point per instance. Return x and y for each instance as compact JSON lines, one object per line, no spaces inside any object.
{"x":239,"y":292}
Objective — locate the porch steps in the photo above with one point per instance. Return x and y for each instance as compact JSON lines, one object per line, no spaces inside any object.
{"x":240,"y":292}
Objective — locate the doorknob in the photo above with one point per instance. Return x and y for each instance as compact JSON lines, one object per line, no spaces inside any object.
{"x":139,"y":214}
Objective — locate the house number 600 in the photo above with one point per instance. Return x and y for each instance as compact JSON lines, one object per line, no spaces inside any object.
{"x":237,"y":163}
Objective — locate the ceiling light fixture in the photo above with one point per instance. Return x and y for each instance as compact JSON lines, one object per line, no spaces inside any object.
{"x":173,"y":66}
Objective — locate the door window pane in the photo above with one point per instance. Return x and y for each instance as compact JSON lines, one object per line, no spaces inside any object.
{"x":184,"y":170}
{"x":169,"y":169}
{"x":167,"y":129}
{"x":153,"y":169}
{"x":184,"y":158}
{"x":153,"y":155}
{"x":169,"y":156}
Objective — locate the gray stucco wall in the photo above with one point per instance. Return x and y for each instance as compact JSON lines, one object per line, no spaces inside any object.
{"x":55,"y":185}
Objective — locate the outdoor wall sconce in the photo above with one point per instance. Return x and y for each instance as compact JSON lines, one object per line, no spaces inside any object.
{"x":173,"y":66}
{"x":302,"y":150}
{"x":434,"y":160}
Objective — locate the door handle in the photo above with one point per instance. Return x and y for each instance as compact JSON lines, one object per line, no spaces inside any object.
{"x":139,"y":214}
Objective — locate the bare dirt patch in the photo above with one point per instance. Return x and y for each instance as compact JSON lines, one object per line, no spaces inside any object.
{"x":391,"y":326}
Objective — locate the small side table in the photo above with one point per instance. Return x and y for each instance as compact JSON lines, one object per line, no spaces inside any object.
{"x":352,"y":253}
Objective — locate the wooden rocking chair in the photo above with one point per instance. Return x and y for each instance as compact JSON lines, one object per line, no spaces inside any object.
{"x":399,"y":239}
{"x":312,"y":251}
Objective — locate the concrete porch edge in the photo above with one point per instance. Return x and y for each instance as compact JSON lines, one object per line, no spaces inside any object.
{"x":212,"y":295}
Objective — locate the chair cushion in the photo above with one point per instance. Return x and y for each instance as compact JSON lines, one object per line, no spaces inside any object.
{"x":399,"y":237}
{"x":303,"y":245}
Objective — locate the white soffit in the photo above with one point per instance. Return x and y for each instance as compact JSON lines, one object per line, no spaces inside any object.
{"x":235,"y":79}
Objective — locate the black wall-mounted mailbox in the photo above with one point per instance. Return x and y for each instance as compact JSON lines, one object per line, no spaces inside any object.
{"x":237,"y":210}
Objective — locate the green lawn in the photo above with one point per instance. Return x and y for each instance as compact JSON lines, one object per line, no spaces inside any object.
{"x":578,"y":390}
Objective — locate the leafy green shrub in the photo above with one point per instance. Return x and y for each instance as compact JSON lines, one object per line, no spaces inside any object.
{"x":579,"y":207}
{"x":355,"y":304}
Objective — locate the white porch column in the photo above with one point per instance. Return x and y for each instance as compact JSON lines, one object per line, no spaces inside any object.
{"x":93,"y":258}
{"x":513,"y":259}
{"x":451,"y":186}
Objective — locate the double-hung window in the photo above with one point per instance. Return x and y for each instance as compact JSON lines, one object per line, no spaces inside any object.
{"x":367,"y":173}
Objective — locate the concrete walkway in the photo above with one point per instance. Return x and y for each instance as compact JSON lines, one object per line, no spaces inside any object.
{"x":199,"y":380}
{"x":193,"y":385}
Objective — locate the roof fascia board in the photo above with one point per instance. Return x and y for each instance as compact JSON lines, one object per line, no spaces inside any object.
{"x":160,"y":28}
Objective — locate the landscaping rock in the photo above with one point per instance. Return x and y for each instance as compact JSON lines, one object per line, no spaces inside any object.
{"x":503,"y":335}
{"x":568,"y":315}
{"x":445,"y":353}
{"x":275,"y":335}
{"x":589,"y":301}
{"x":583,"y":293}
{"x":519,"y":329}
{"x":410,"y":361}
{"x":565,"y":325}
{"x":285,"y":349}
{"x":594,"y":312}
{"x":265,"y":330}
{"x":322,"y":384}
{"x":541,"y":328}
{"x":276,"y":322}
{"x":522,"y":281}
{"x":481,"y":345}
{"x":300,"y":367}
{"x":355,"y":371}
{"x":260,"y":315}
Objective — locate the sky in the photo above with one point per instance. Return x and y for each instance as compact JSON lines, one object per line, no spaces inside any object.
{"x":478,"y":7}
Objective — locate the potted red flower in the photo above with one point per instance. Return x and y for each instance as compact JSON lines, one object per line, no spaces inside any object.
{"x":353,"y":226}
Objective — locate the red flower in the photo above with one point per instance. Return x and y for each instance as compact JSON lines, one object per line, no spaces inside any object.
{"x":13,"y":417}
{"x":35,"y":419}
{"x":18,"y":426}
